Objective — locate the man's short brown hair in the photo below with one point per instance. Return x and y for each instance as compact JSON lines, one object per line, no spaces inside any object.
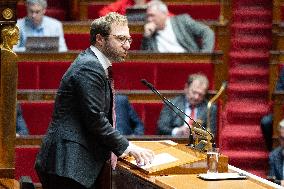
{"x":103,"y":24}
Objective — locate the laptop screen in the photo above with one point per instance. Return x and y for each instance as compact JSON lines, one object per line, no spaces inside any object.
{"x":50,"y":44}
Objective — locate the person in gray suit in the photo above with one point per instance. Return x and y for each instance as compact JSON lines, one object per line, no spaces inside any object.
{"x":276,"y":158}
{"x":177,"y":34}
{"x":81,"y":136}
{"x":193,"y":103}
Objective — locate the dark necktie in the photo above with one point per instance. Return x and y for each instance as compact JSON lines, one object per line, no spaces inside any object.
{"x":109,"y":70}
{"x":113,"y":156}
{"x":192,"y":114}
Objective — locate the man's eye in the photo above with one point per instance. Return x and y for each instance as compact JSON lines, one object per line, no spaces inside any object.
{"x":122,"y":38}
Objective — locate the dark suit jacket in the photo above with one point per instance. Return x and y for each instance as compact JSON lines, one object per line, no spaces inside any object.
{"x":21,"y":126}
{"x":127,"y":121}
{"x":280,"y":82}
{"x":276,"y":164}
{"x":169,"y":120}
{"x":188,"y":33}
{"x":80,"y":137}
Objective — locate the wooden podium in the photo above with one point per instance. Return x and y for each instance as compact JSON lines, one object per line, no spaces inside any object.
{"x":174,"y":158}
{"x":177,"y":168}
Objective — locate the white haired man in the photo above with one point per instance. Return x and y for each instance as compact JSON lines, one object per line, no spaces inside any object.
{"x":36,"y":24}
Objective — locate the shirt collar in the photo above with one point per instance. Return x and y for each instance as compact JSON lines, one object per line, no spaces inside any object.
{"x":104,"y":61}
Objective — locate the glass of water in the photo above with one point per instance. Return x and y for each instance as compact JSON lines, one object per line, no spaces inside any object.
{"x":212,"y":160}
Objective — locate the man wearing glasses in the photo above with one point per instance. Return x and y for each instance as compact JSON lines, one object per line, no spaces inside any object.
{"x":36,"y":24}
{"x":81,"y":136}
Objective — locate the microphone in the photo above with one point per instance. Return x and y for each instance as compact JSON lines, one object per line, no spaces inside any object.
{"x":170,"y":104}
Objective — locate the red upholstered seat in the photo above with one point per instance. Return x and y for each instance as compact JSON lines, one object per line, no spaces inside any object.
{"x":37,"y":116}
{"x":152,"y":113}
{"x":41,"y":75}
{"x":55,"y":9}
{"x":199,"y":11}
{"x":137,"y":39}
{"x":24,"y":162}
{"x":149,"y":113}
{"x":50,"y":74}
{"x":28,"y":75}
{"x":94,"y":8}
{"x":173,"y":76}
{"x":21,"y":10}
{"x":78,"y":41}
{"x":139,"y":109}
{"x":56,"y":13}
{"x":128,"y":75}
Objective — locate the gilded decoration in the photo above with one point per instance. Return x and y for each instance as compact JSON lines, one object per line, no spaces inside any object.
{"x":7,"y":13}
{"x":10,"y":37}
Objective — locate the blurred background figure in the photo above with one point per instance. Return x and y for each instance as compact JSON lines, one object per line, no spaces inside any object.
{"x":266,"y":122}
{"x":276,"y":158}
{"x":120,"y":6}
{"x":193,"y":103}
{"x":21,"y":126}
{"x":127,"y":120}
{"x":165,"y":33}
{"x":36,"y":24}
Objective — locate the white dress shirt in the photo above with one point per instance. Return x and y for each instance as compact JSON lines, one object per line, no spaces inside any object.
{"x":167,"y":41}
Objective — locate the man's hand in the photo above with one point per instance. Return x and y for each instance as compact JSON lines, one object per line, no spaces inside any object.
{"x":142,"y":156}
{"x":149,"y":29}
{"x":183,"y":131}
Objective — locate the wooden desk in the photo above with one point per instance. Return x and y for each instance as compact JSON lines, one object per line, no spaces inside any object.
{"x":127,"y":177}
{"x":276,"y":57}
{"x":133,"y":95}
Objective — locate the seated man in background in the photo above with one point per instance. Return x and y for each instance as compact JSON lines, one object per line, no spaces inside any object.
{"x":193,"y":103}
{"x":21,"y":126}
{"x":266,"y":122}
{"x":177,"y":34}
{"x":36,"y":24}
{"x":276,"y":158}
{"x":120,"y":6}
{"x":127,"y":121}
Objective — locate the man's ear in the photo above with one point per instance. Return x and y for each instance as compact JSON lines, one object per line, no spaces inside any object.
{"x":100,"y":39}
{"x":44,"y":11}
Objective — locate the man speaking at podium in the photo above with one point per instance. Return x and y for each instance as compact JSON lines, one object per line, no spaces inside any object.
{"x":193,"y":103}
{"x":81,"y":136}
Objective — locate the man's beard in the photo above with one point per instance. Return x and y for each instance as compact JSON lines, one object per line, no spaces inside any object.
{"x":112,"y":54}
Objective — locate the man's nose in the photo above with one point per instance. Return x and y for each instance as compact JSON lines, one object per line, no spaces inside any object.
{"x":126,"y":45}
{"x":34,"y":14}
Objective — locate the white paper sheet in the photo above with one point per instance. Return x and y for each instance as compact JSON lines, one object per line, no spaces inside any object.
{"x":159,"y":159}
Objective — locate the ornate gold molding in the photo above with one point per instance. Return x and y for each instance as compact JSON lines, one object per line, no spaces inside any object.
{"x":7,"y":13}
{"x":10,"y":37}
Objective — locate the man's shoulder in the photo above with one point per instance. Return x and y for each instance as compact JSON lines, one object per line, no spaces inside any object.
{"x":179,"y":98}
{"x":87,"y":59}
{"x":21,"y":21}
{"x":182,"y":17}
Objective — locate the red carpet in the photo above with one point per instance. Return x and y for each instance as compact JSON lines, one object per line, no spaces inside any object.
{"x":241,"y":137}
